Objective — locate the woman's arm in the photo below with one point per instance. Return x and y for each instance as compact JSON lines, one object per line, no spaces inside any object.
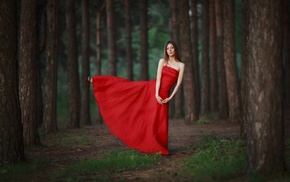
{"x":179,"y":81}
{"x":158,"y":78}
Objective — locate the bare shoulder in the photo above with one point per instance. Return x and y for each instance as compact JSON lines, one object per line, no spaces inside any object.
{"x":161,"y":61}
{"x":181,"y":64}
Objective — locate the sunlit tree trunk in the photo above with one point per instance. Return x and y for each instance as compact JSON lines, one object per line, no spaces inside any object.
{"x":128,"y":37}
{"x":144,"y":73}
{"x":111,"y":37}
{"x":264,"y":114}
{"x":244,"y":77}
{"x":11,"y":135}
{"x":49,"y":117}
{"x":223,"y":95}
{"x":213,"y":64}
{"x":205,"y":58}
{"x":230,"y":61}
{"x":186,"y":55}
{"x":73,"y":70}
{"x":194,"y":32}
{"x":287,"y":51}
{"x":27,"y":71}
{"x":85,"y":100}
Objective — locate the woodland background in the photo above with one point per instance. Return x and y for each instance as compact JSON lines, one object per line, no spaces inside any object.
{"x":236,"y":55}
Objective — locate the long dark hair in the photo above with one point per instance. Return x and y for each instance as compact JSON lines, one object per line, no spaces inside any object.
{"x":176,"y":55}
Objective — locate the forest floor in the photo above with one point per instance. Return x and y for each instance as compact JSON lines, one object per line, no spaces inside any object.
{"x":95,"y":141}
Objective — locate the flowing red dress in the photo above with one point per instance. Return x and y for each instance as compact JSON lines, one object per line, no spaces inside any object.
{"x":131,"y":111}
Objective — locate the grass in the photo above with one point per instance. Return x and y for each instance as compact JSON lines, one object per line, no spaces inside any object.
{"x":112,"y":162}
{"x":217,"y":158}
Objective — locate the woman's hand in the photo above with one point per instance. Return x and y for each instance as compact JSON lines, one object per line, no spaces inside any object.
{"x":159,"y":99}
{"x":166,"y":100}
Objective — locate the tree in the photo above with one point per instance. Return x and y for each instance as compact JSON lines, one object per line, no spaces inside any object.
{"x":205,"y":58}
{"x":111,"y":37}
{"x":85,"y":102}
{"x":264,"y":114}
{"x":186,"y":55}
{"x":128,"y":37}
{"x":27,"y":71}
{"x":213,"y":60}
{"x":287,"y":50}
{"x":230,"y":61}
{"x":73,"y":74}
{"x":144,"y":74}
{"x":11,"y":135}
{"x":223,"y":95}
{"x":50,"y":121}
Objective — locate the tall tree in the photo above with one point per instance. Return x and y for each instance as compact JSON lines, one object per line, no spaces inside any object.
{"x":128,"y":37}
{"x":244,"y":77}
{"x":85,"y":102}
{"x":111,"y":37}
{"x":194,"y":32}
{"x":213,"y":60}
{"x":49,"y":118}
{"x":230,"y":61}
{"x":73,"y":70}
{"x":264,"y":114}
{"x":205,"y":58}
{"x":286,"y":25}
{"x":27,"y":71}
{"x":11,"y":135}
{"x":223,"y":95}
{"x":186,"y":56}
{"x":144,"y":73}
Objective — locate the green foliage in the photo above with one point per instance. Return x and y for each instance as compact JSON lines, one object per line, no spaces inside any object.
{"x":112,"y":162}
{"x":204,"y":119}
{"x":217,"y":158}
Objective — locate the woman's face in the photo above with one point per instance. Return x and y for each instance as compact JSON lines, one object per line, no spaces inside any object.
{"x":170,"y":50}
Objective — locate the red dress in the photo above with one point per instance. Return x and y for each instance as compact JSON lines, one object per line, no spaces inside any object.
{"x":131,"y":111}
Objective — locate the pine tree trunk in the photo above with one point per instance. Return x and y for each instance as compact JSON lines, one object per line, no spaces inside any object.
{"x":27,"y":71}
{"x":50,"y":119}
{"x":264,"y":114}
{"x":205,"y":58}
{"x":73,"y":70}
{"x":287,"y":51}
{"x":11,"y":135}
{"x":128,"y":38}
{"x":85,"y":102}
{"x":186,"y":55}
{"x":144,"y":73}
{"x":230,"y":61}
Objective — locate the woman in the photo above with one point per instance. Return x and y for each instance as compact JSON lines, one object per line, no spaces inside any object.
{"x":130,"y":110}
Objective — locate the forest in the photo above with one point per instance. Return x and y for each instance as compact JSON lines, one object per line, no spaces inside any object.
{"x":235,"y":92}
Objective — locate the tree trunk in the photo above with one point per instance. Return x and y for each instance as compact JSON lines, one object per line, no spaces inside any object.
{"x":264,"y":114}
{"x":244,"y":79}
{"x":85,"y":102}
{"x":128,"y":38}
{"x":230,"y":61}
{"x":194,"y":32}
{"x":205,"y":58}
{"x":27,"y":71}
{"x":49,"y":118}
{"x":186,"y":55}
{"x":287,"y":51}
{"x":11,"y":135}
{"x":213,"y":58}
{"x":223,"y":95}
{"x":144,"y":73}
{"x":73,"y":70}
{"x":111,"y":37}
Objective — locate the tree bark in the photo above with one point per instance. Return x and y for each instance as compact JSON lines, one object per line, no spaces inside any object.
{"x":11,"y":135}
{"x":27,"y":71}
{"x":130,"y":74}
{"x":287,"y":51}
{"x":230,"y":61}
{"x":85,"y":102}
{"x":49,"y":118}
{"x":205,"y":58}
{"x":223,"y":95}
{"x":213,"y":61}
{"x":186,"y":55}
{"x":111,"y":37}
{"x":264,"y":114}
{"x":73,"y":70}
{"x":144,"y":73}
